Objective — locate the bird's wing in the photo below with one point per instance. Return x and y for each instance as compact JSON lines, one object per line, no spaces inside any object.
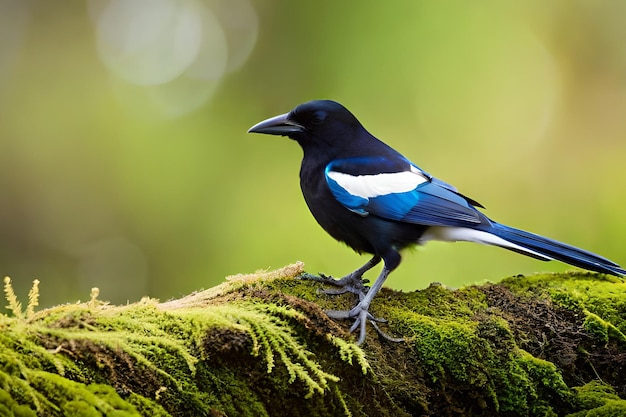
{"x":396,"y":189}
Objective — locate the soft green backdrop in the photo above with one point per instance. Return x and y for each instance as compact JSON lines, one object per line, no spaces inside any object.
{"x":132,"y":170}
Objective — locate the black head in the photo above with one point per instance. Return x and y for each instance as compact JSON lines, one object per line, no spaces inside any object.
{"x":313,"y":123}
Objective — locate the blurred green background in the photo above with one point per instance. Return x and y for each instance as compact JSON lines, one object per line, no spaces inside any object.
{"x":126,"y":164}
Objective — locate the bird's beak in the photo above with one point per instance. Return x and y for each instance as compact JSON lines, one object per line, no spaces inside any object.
{"x":277,"y":125}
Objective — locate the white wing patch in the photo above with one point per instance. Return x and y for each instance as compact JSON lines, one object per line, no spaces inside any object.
{"x":456,"y":234}
{"x":370,"y":186}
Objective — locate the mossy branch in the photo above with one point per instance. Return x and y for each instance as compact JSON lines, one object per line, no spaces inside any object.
{"x":260,"y":344}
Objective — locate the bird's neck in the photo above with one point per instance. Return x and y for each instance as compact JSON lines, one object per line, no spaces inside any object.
{"x":312,"y":166}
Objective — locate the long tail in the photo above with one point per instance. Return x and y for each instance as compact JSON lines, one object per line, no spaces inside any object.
{"x":546,"y":249}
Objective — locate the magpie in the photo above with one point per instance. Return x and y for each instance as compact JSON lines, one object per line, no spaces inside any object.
{"x":371,"y":197}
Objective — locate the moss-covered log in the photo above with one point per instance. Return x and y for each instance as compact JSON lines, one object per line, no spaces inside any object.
{"x":260,"y":344}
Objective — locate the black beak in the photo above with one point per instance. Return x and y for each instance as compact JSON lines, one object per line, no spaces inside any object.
{"x":277,"y":125}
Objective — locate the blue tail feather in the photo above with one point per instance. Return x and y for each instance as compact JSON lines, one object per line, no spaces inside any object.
{"x":556,"y":250}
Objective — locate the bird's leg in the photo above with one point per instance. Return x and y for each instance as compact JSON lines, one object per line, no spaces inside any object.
{"x":360,"y":313}
{"x":352,"y":282}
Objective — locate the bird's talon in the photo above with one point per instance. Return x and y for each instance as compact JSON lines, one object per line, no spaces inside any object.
{"x":385,"y":335}
{"x":343,"y":285}
{"x":361,"y":317}
{"x":338,"y":314}
{"x":355,"y":325}
{"x":307,"y":276}
{"x":323,"y":278}
{"x":333,"y":292}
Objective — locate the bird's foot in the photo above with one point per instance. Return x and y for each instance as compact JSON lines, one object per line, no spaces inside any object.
{"x":352,"y":283}
{"x":361,"y":316}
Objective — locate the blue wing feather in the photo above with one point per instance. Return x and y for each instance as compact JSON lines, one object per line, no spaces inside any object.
{"x":432,"y":203}
{"x":351,"y":202}
{"x":442,"y":207}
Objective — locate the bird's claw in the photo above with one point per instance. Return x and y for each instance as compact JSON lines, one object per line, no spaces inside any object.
{"x":361,"y":316}
{"x":348,"y":284}
{"x":385,"y":335}
{"x":353,"y":283}
{"x":311,"y":277}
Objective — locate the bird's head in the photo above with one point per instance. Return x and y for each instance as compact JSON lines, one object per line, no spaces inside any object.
{"x":315,"y":123}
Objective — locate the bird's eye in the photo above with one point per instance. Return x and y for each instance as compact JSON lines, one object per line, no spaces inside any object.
{"x":318,"y":117}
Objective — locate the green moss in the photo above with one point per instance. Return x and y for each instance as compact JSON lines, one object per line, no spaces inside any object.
{"x":463,"y":346}
{"x":261,"y":345}
{"x":44,"y":393}
{"x":438,"y":301}
{"x":10,"y":407}
{"x":597,"y":399}
{"x":153,"y":352}
{"x":602,"y":329}
{"x":146,"y":407}
{"x":598,"y":294}
{"x":482,"y":358}
{"x":548,"y":394}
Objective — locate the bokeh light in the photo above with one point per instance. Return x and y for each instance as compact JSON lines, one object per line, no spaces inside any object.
{"x":175,"y":51}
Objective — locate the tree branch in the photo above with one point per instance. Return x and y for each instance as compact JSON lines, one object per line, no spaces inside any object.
{"x":260,"y":344}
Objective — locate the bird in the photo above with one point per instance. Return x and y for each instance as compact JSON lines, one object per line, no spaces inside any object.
{"x":366,"y":194}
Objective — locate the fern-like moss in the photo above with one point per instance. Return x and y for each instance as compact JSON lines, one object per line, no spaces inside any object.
{"x":14,"y":305}
{"x":43,"y":362}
